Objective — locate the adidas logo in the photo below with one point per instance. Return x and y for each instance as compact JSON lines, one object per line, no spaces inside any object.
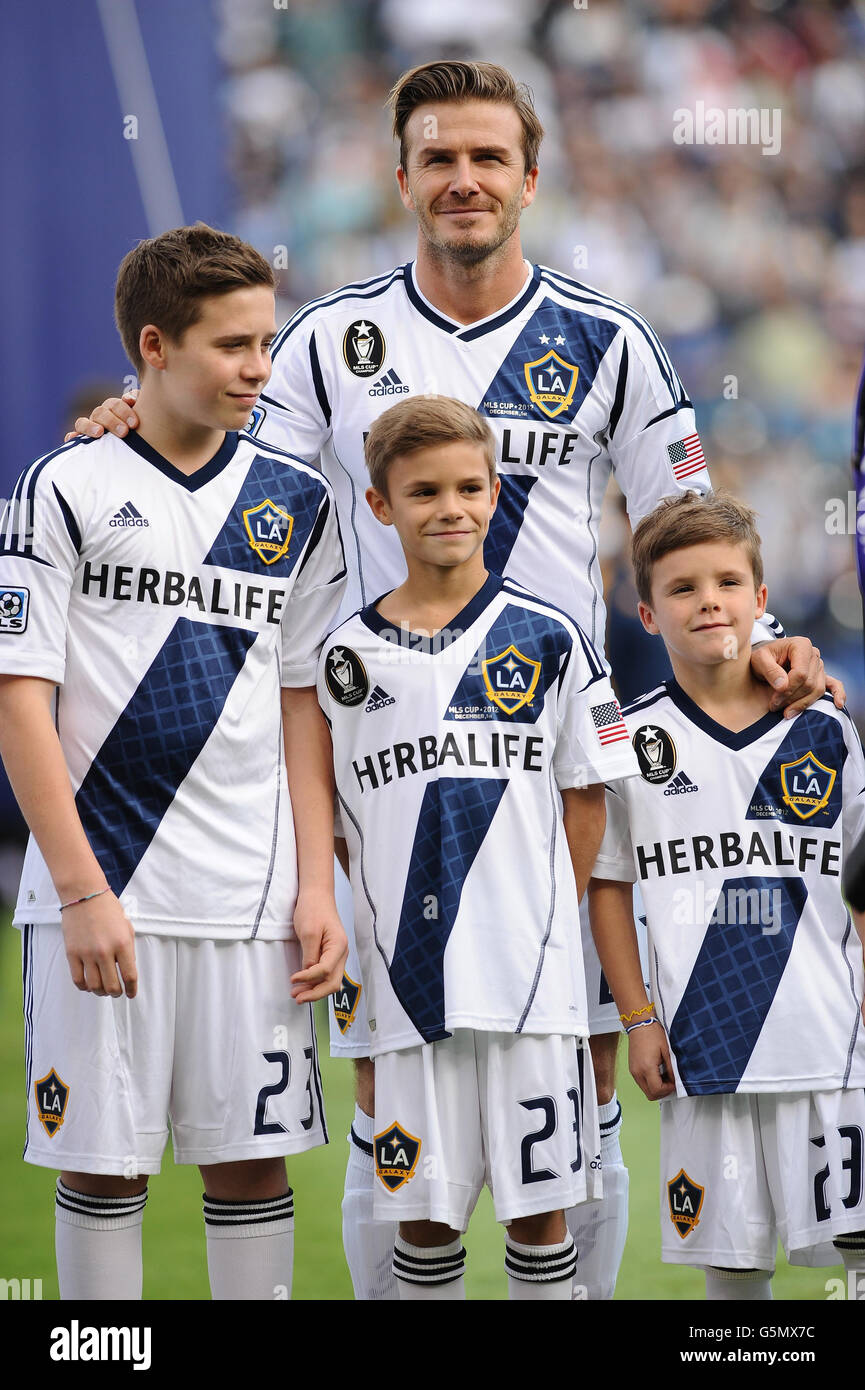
{"x":128,"y":515}
{"x":379,"y":699}
{"x":390,"y":385}
{"x":680,"y":784}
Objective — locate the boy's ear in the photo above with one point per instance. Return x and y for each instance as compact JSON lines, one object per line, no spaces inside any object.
{"x":494,"y":494}
{"x":647,"y":618}
{"x":762,"y":599}
{"x":151,"y":345}
{"x":379,"y":506}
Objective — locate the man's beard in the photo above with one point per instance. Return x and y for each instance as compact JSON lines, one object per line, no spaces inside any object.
{"x":470,"y":249}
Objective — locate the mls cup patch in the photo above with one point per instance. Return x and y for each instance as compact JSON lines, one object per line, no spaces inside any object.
{"x":345,"y":676}
{"x":686,"y":1200}
{"x":806,"y":785}
{"x":656,"y":753}
{"x":345,"y":1002}
{"x":269,"y":530}
{"x":552,"y":382}
{"x":363,"y":348}
{"x":51,"y":1097}
{"x":510,"y":679}
{"x":396,"y":1156}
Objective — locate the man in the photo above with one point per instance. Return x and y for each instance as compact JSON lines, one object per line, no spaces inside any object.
{"x":575,"y":385}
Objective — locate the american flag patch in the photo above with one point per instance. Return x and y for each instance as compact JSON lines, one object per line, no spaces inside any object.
{"x":609,"y":722}
{"x":686,"y":456}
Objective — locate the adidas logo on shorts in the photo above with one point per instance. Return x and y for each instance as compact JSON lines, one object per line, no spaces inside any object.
{"x":379,"y":699}
{"x":680,"y":784}
{"x":129,"y":515}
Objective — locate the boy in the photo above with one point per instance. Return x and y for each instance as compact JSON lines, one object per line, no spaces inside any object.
{"x":472,"y":724}
{"x":169,"y":584}
{"x":757,"y":974}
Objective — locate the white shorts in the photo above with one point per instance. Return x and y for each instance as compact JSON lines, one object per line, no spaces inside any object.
{"x":738,"y":1172}
{"x":349,"y":1029}
{"x":212,"y":1042}
{"x":515,"y":1111}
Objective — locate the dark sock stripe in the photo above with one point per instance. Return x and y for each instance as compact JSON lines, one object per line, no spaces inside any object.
{"x":354,"y":1138}
{"x":98,"y":1206}
{"x":541,"y":1269}
{"x":224,"y":1211}
{"x":431,"y":1269}
{"x":611,"y":1124}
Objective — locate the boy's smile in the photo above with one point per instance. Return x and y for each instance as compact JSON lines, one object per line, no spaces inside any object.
{"x":704,"y":602}
{"x":440,"y":500}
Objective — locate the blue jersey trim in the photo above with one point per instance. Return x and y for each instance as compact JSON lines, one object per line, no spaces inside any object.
{"x":193,"y":481}
{"x":456,"y":628}
{"x":69,"y":519}
{"x":743,"y":739}
{"x":318,"y":380}
{"x":339,"y":296}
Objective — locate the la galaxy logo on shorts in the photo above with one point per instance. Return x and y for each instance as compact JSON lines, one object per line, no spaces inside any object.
{"x":363,"y":348}
{"x":552,"y":382}
{"x":345,"y":1003}
{"x":806,"y":785}
{"x":51,"y":1097}
{"x":269,"y":530}
{"x":686,"y":1200}
{"x":510,"y":679}
{"x":345,"y":676}
{"x":396,"y":1156}
{"x":656,"y":753}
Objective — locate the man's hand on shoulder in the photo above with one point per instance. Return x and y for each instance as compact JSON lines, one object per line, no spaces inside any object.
{"x":116,"y":415}
{"x":793,"y":668}
{"x":324,"y":945}
{"x":100,"y":940}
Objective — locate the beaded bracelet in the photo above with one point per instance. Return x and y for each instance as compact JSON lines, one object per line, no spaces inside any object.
{"x":86,"y":899}
{"x":646,"y":1023}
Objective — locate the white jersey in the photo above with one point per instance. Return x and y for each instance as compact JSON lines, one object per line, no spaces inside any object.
{"x":738,"y":842}
{"x":449,"y":755}
{"x":574,"y":384}
{"x":169,"y":610}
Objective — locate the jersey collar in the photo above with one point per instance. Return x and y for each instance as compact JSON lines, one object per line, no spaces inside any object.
{"x":468,"y":332}
{"x":456,"y":628}
{"x":191,"y":481}
{"x":718,"y":732}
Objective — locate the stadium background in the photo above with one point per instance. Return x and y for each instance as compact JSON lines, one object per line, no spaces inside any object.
{"x":266,"y":117}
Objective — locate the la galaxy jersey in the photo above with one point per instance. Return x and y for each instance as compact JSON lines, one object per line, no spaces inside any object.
{"x":738,"y":842}
{"x":574,"y":384}
{"x":449,"y":756}
{"x":169,"y":610}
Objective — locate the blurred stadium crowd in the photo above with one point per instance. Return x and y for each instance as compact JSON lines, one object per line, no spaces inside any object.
{"x":750,"y":265}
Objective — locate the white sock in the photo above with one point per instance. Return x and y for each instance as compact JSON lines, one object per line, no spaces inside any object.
{"x":368,"y":1243}
{"x":429,"y":1274}
{"x":851,"y":1248}
{"x":98,"y":1243}
{"x":540,"y":1272}
{"x":250,"y":1247}
{"x":600,"y":1229}
{"x":738,"y":1285}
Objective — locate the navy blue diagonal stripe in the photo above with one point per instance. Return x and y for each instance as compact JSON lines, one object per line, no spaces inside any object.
{"x":734,"y":980}
{"x":455,"y":815}
{"x":507,"y":519}
{"x":296,"y":491}
{"x":585,"y":340}
{"x":537,"y":637}
{"x":135,"y":776}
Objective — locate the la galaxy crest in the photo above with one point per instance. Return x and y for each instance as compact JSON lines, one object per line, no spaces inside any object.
{"x":396,"y":1156}
{"x":345,"y":1003}
{"x":52,"y":1095}
{"x":510,"y":679}
{"x":806,"y":785}
{"x":269,"y":530}
{"x":686,"y":1202}
{"x":552,"y":382}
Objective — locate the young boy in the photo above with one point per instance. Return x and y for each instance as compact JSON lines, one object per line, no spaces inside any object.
{"x":472,"y":726}
{"x":170,"y":584}
{"x":737,"y":830}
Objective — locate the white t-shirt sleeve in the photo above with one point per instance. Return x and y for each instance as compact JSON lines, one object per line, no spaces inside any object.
{"x":39,"y":537}
{"x":314,"y":602}
{"x":616,"y":856}
{"x":593,"y":743}
{"x":293,"y":411}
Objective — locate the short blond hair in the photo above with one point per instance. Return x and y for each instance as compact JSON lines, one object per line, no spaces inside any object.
{"x":689,"y":519}
{"x":458,"y":80}
{"x":423,"y":422}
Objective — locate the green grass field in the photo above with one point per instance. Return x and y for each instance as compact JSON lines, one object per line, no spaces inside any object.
{"x":174,"y":1255}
